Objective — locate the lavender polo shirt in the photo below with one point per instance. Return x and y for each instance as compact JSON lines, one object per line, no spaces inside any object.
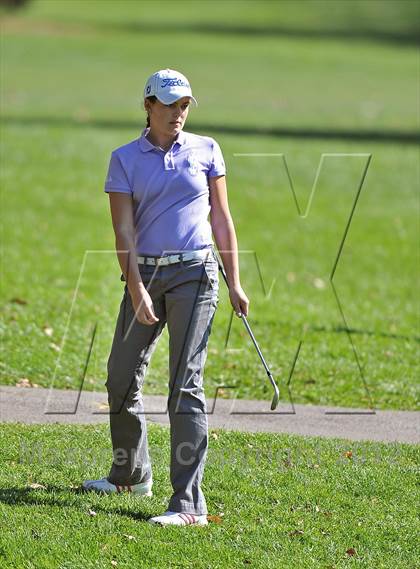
{"x":170,"y":190}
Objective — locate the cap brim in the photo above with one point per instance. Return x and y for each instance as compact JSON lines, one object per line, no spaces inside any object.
{"x":174,"y":97}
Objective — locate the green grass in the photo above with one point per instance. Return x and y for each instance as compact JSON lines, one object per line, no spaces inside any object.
{"x":321,"y":16}
{"x":282,"y":501}
{"x":64,"y":114}
{"x":238,"y":80}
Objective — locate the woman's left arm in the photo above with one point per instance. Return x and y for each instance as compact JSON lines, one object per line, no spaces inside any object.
{"x":225,"y":237}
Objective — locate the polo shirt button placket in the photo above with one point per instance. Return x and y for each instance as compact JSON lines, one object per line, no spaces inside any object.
{"x":169,"y":161}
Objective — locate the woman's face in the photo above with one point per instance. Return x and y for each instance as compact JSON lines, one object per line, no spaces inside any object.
{"x":168,"y":119}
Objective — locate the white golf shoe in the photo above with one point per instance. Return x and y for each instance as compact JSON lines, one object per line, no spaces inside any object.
{"x":179,"y":519}
{"x":104,"y":486}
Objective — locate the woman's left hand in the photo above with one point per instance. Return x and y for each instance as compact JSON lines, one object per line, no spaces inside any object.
{"x":239,"y":300}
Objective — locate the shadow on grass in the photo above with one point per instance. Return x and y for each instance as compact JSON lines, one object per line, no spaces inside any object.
{"x":41,"y":497}
{"x":401,"y":38}
{"x":385,"y":136}
{"x":342,"y":329}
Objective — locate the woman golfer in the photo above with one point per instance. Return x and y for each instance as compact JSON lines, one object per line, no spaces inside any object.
{"x":162,"y":187}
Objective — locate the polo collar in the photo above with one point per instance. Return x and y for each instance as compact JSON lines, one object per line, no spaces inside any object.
{"x":146,"y":145}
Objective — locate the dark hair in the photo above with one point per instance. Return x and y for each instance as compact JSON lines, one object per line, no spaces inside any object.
{"x":152,"y":99}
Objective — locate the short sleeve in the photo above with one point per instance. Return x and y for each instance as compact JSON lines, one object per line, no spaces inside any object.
{"x":116,"y":179}
{"x":217,"y":166}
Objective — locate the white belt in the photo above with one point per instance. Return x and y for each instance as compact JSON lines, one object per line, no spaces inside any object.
{"x":177,"y":258}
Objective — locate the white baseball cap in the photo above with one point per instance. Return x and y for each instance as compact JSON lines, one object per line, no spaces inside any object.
{"x":168,"y":86}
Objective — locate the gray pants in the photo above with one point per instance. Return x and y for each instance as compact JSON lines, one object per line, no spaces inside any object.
{"x":185,"y":296}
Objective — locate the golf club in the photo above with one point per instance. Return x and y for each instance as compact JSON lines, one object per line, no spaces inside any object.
{"x":275,"y":400}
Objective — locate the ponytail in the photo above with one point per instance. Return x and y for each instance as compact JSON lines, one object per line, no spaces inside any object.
{"x":152,"y":99}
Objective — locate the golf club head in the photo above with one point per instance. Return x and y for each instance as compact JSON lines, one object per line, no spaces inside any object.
{"x":275,"y":400}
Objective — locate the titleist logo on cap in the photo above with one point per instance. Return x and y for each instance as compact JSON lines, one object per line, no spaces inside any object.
{"x":173,"y":82}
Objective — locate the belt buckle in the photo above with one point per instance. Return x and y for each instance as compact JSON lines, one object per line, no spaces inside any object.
{"x":162,"y":261}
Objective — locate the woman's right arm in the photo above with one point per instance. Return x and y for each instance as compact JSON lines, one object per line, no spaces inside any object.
{"x":122,"y":220}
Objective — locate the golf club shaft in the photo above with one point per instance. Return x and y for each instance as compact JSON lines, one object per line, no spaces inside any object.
{"x":247,"y":326}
